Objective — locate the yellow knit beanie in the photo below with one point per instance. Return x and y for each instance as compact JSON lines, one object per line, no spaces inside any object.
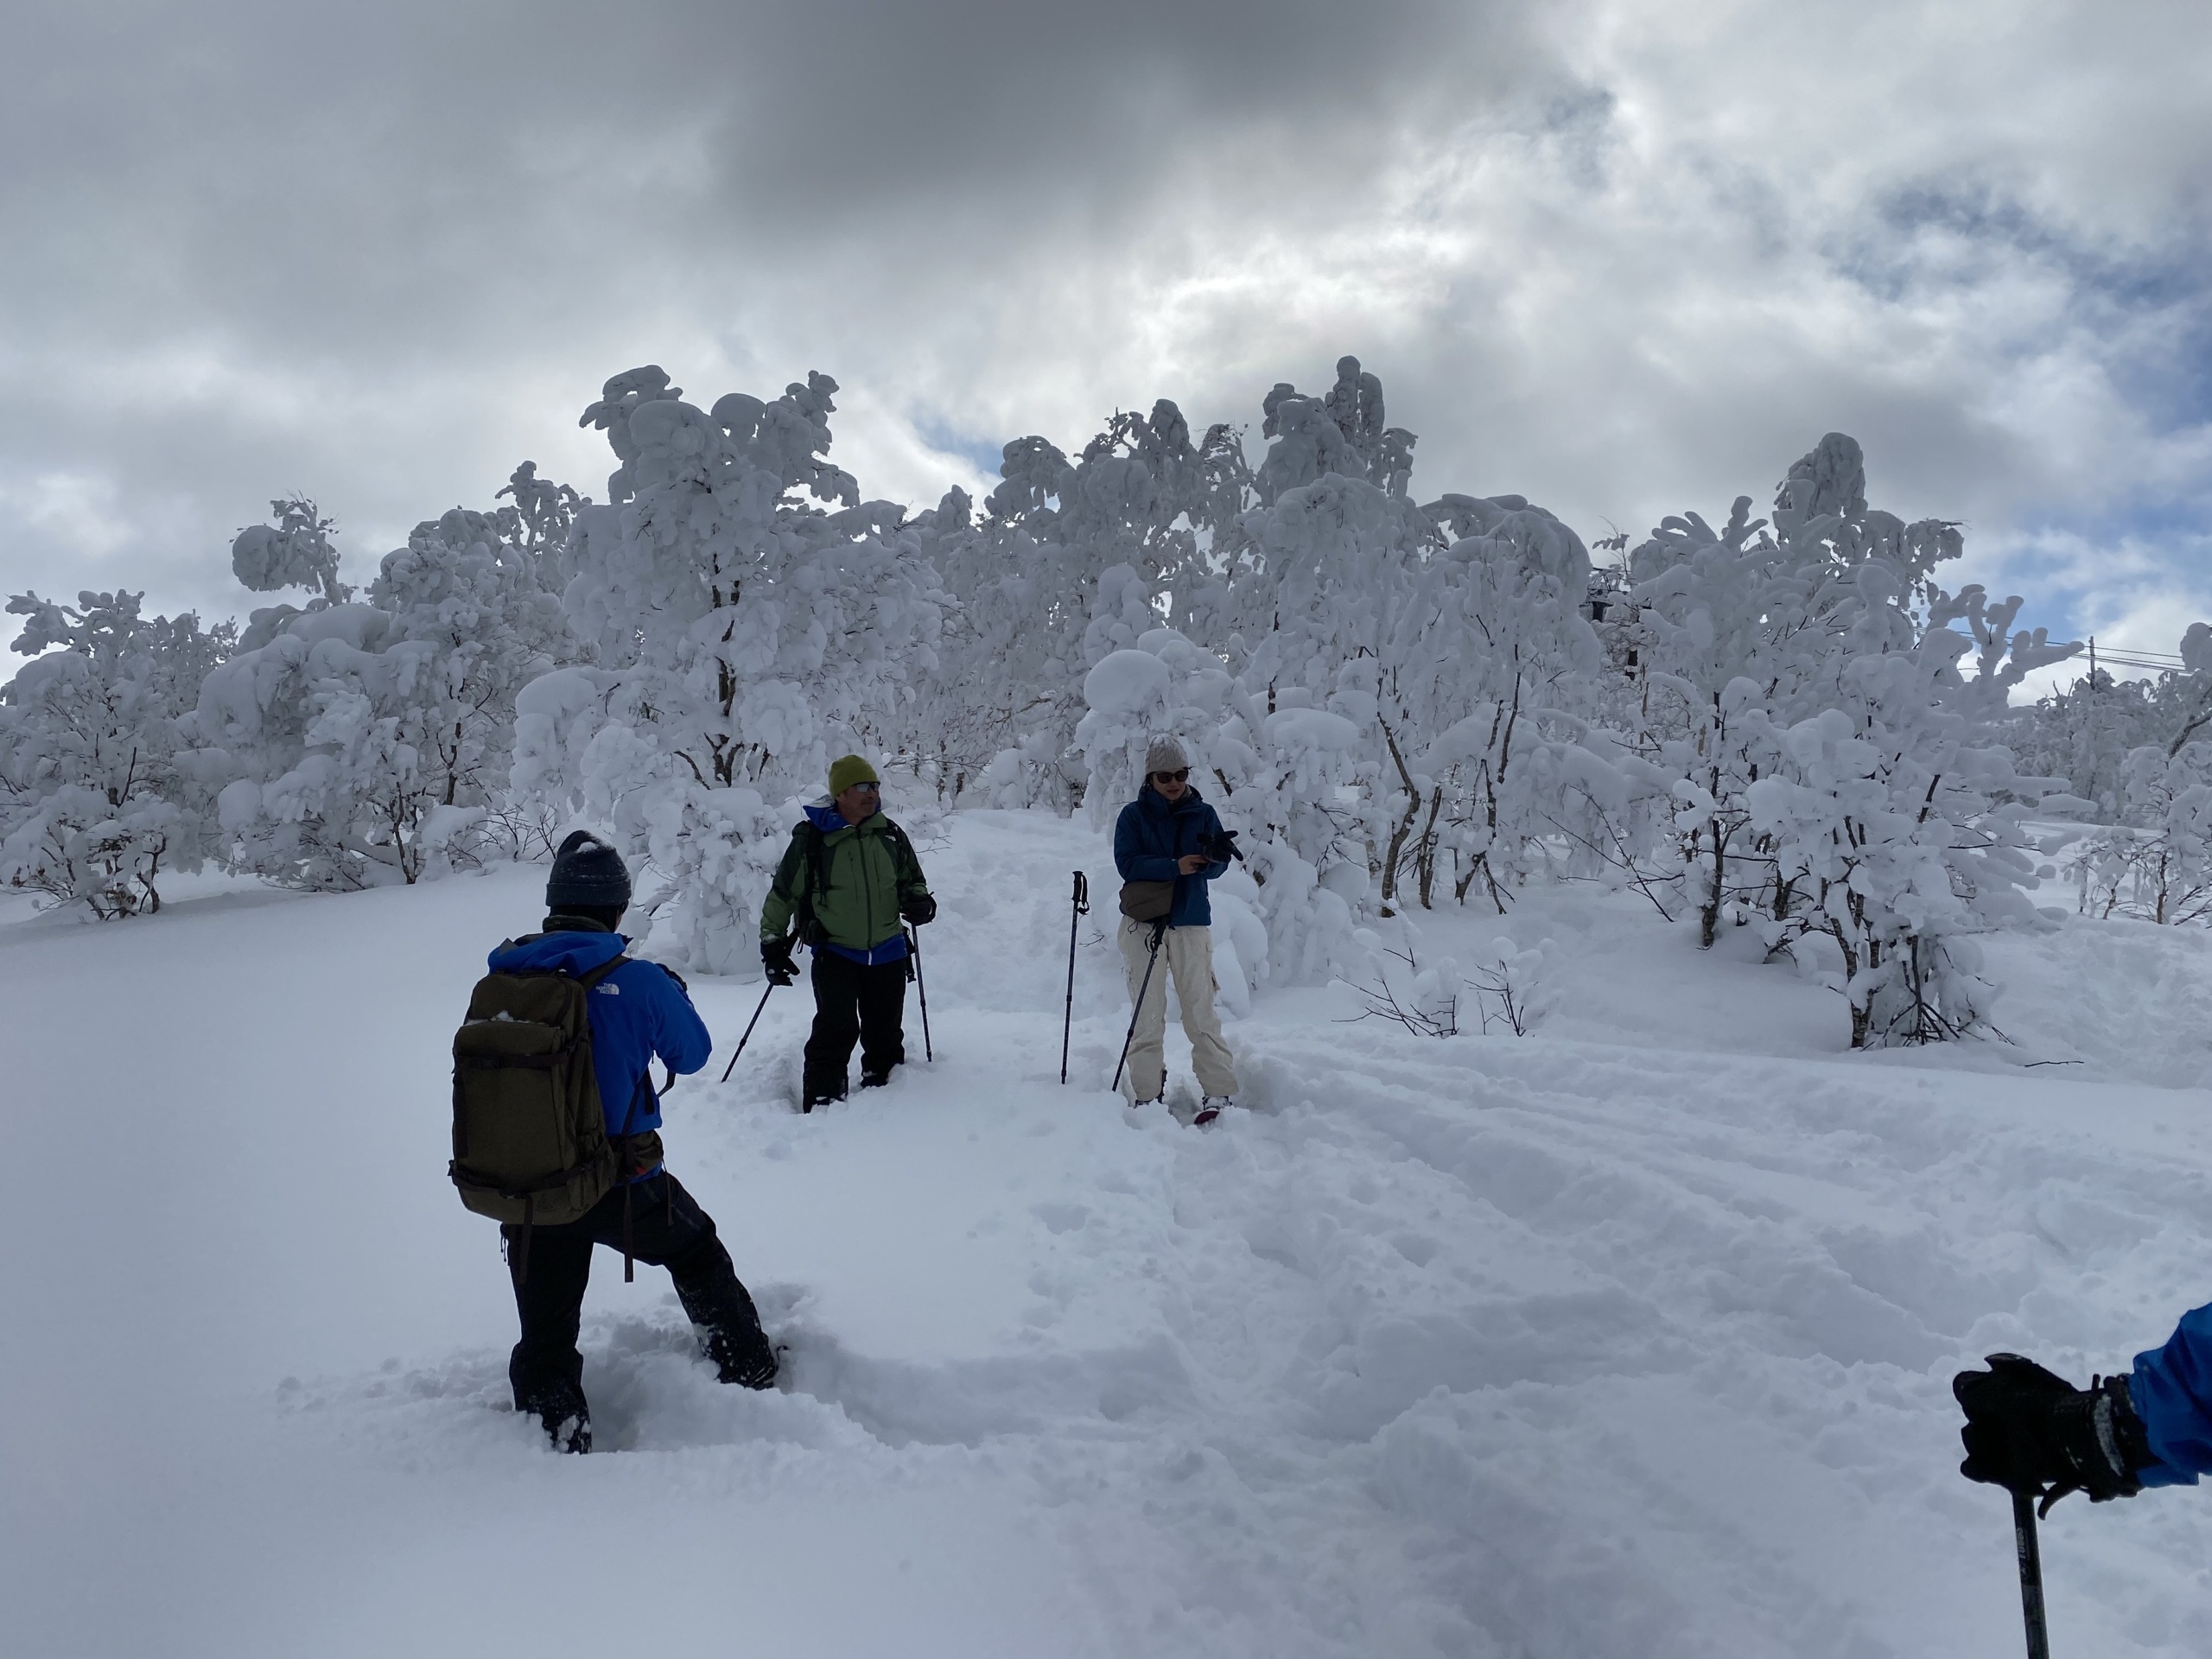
{"x":848,"y":769}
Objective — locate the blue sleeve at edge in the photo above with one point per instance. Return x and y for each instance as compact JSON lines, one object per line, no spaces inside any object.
{"x":2172,"y":1390}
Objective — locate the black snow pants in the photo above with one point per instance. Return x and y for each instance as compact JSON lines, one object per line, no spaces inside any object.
{"x":667,"y":1229}
{"x":853,"y":1002}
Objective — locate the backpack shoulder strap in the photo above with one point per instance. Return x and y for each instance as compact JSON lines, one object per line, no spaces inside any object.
{"x":899,"y":839}
{"x":590,"y":981}
{"x":817,"y":859}
{"x":808,"y":878}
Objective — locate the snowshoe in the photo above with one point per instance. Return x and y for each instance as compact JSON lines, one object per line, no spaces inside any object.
{"x":1210,"y":1108}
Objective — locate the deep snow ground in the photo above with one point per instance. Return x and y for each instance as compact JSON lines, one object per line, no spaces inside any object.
{"x":1632,"y":1337}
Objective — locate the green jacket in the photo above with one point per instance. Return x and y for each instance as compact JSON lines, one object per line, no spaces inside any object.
{"x":862,"y":875}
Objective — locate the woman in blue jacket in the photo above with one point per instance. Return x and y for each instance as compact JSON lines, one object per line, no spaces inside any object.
{"x":2030,"y":1431}
{"x":1158,"y":838}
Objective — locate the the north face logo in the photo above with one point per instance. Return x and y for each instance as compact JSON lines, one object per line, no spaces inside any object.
{"x":608,"y":989}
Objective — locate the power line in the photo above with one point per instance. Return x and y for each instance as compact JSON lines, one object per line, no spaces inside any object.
{"x":2156,"y":661}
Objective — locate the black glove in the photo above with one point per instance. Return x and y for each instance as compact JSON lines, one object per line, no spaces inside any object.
{"x":919,"y":909}
{"x":775,"y":957}
{"x":2032,"y":1432}
{"x":1221,"y":849}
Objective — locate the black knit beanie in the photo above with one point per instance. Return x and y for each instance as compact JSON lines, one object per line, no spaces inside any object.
{"x":587,"y":871}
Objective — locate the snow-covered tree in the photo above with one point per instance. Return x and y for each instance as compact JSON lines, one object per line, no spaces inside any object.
{"x":2002,"y":658}
{"x":370,"y":742}
{"x":1884,"y":817}
{"x":1307,"y":853}
{"x":541,"y":513}
{"x":482,"y":589}
{"x":992,"y":722}
{"x":2158,"y":865}
{"x":1744,"y":633}
{"x":1394,"y":703}
{"x":1450,"y":636}
{"x":1518,"y":660}
{"x":1071,"y":561}
{"x":294,"y":552}
{"x":2087,"y":732}
{"x":100,"y":788}
{"x":1389,"y":703}
{"x":738,"y":631}
{"x":1147,"y":527}
{"x":1856,"y":756}
{"x":2193,"y":688}
{"x":1161,"y":685}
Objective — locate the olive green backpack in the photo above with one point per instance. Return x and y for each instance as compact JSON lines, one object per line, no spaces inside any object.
{"x":529,"y":1141}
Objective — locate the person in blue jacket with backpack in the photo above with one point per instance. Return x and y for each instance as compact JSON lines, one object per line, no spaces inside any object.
{"x":1169,"y":835}
{"x":639,"y":1011}
{"x":2031,"y":1432}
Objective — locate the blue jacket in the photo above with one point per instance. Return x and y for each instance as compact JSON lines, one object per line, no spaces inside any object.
{"x":2172,"y":1391}
{"x":1150,"y":836}
{"x":637,"y":1012}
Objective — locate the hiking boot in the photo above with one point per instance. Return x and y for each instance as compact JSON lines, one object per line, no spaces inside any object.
{"x":571,"y":1434}
{"x":874,"y":1079}
{"x":746,"y":1360}
{"x":813,"y":1100}
{"x":1210,"y":1107}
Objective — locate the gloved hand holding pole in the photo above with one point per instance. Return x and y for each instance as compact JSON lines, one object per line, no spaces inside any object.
{"x":2031,"y":1432}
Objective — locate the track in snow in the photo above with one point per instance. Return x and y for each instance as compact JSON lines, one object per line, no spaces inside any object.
{"x":1580,"y":1344}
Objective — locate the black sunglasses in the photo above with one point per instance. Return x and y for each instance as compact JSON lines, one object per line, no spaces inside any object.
{"x":1182,"y":776}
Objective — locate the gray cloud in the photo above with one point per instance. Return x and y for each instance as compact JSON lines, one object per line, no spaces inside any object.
{"x":1626,"y":261}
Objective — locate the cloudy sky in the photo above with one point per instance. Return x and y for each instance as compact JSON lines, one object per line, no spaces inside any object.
{"x":1623,"y":258}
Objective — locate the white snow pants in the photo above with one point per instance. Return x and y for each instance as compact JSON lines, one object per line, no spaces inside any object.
{"x":1186,"y":953}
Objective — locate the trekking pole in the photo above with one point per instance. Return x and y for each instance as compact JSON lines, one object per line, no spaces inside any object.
{"x":921,"y":988}
{"x":2023,"y":1540}
{"x":747,"y":1037}
{"x":1159,"y":932}
{"x":1082,"y":909}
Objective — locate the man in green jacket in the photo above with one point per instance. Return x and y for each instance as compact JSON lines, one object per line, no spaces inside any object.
{"x":848,"y":881}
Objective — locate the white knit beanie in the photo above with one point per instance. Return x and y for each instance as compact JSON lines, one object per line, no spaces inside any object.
{"x":1165,"y":755}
